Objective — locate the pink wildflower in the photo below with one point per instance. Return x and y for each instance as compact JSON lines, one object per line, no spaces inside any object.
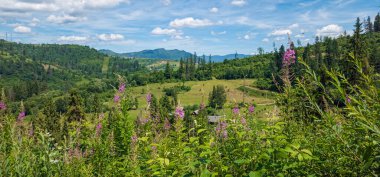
{"x":236,"y":110}
{"x":289,"y":57}
{"x":148,"y":97}
{"x":116,"y":99}
{"x":251,"y":109}
{"x":21,"y":116}
{"x":179,"y":113}
{"x":98,"y":129}
{"x":134,"y":138}
{"x":121,"y":87}
{"x":3,"y":106}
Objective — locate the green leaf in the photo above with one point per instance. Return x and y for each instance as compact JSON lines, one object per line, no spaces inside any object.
{"x":255,"y":174}
{"x":240,"y":161}
{"x":307,"y":151}
{"x":201,"y":130}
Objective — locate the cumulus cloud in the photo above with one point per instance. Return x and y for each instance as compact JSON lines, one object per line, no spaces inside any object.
{"x":190,"y":22}
{"x":293,"y":26}
{"x":173,"y":33}
{"x":22,"y":29}
{"x":247,"y":37}
{"x":265,"y":40}
{"x":104,"y":3}
{"x":238,"y":2}
{"x":34,"y":22}
{"x":214,"y":10}
{"x":110,"y":37}
{"x":72,"y":38}
{"x":218,"y":33}
{"x":27,"y":6}
{"x":65,"y":19}
{"x":332,"y":30}
{"x":281,"y":32}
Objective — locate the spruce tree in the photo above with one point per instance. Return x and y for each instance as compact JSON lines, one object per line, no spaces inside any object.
{"x":368,"y":25}
{"x":75,"y":110}
{"x":376,"y":25}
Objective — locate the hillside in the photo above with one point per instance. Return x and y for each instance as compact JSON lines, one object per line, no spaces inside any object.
{"x":169,"y":55}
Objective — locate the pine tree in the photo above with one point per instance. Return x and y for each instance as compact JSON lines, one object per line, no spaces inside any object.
{"x":368,"y":25}
{"x":376,"y":25}
{"x":75,"y":110}
{"x":168,"y":71}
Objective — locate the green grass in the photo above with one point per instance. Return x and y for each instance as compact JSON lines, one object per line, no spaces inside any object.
{"x":200,"y":91}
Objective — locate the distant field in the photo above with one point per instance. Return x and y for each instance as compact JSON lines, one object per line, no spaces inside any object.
{"x":201,"y":89}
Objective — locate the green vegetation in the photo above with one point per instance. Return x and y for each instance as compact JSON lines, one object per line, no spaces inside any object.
{"x":68,"y":110}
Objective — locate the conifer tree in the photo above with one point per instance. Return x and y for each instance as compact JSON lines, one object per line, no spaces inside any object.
{"x":75,"y":110}
{"x":368,"y":25}
{"x":376,"y":25}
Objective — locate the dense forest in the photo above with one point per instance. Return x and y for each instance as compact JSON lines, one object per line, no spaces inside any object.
{"x":64,"y":111}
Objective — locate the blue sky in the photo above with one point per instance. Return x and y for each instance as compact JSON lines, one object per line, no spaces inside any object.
{"x":203,"y":26}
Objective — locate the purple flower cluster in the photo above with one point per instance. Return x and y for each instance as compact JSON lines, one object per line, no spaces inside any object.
{"x":134,"y":138}
{"x":289,"y":57}
{"x":221,"y":129}
{"x":121,"y":87}
{"x":148,"y":97}
{"x":179,"y":112}
{"x":235,"y":110}
{"x":98,"y":129}
{"x":116,"y":98}
{"x":251,"y":109}
{"x":3,"y":106}
{"x":243,"y":121}
{"x":21,"y":116}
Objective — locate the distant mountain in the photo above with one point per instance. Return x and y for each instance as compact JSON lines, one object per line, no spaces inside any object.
{"x":221,"y":58}
{"x":168,"y":54}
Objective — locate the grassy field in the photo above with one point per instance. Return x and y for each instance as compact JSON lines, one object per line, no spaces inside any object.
{"x":200,"y":91}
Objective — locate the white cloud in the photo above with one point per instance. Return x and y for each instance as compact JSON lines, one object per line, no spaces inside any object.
{"x":34,"y":22}
{"x":27,"y":6}
{"x":281,"y":32}
{"x":214,"y":10}
{"x":293,"y":26}
{"x":166,"y":2}
{"x":279,"y":38}
{"x":247,"y":37}
{"x":72,"y":38}
{"x":299,"y":36}
{"x":65,"y":19}
{"x":332,"y":30}
{"x":190,"y":22}
{"x":132,"y":16}
{"x":110,"y":37}
{"x":218,"y":33}
{"x":265,"y":40}
{"x":103,"y":3}
{"x":238,"y":2}
{"x":173,"y":33}
{"x":243,"y":20}
{"x":22,"y":29}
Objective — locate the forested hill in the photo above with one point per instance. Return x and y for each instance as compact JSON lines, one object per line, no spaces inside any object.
{"x":169,"y":55}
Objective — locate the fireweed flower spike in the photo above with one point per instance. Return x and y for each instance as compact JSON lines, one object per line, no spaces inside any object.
{"x":116,"y":99}
{"x":121,"y":87}
{"x":289,"y":57}
{"x":148,"y":97}
{"x":3,"y":106}
{"x":251,"y":109}
{"x":236,"y":110}
{"x":98,"y":129}
{"x":179,"y":113}
{"x":21,"y":116}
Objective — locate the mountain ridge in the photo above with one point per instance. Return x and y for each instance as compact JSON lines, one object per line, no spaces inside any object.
{"x":173,"y":54}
